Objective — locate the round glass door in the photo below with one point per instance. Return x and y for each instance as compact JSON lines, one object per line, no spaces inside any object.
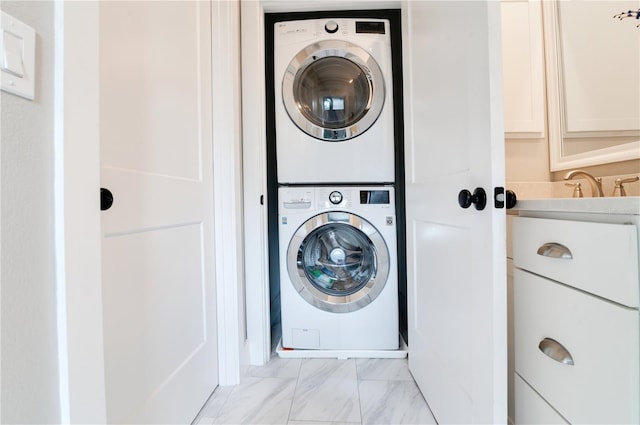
{"x":333,"y":90}
{"x":338,"y":262}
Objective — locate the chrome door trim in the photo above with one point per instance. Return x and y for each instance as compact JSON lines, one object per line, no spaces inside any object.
{"x":355,"y":54}
{"x":332,"y":303}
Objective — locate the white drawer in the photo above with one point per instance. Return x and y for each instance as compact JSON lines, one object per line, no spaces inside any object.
{"x":604,"y":256}
{"x":531,"y":408}
{"x":602,"y":386}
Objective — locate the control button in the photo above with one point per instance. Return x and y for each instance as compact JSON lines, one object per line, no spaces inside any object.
{"x":331,"y":27}
{"x":335,"y":197}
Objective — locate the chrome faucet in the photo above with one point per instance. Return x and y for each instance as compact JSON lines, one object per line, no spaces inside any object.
{"x":596,"y":183}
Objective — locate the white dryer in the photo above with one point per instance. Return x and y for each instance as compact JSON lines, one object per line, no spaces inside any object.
{"x":333,"y":101}
{"x":338,"y":268}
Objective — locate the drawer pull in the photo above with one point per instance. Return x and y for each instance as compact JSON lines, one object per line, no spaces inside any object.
{"x":556,"y":351}
{"x":555,"y":250}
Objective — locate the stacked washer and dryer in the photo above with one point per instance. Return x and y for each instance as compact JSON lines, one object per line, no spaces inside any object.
{"x":334,"y":139}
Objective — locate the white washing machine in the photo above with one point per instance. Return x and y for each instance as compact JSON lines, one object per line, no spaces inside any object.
{"x":338,"y":268}
{"x":333,"y":101}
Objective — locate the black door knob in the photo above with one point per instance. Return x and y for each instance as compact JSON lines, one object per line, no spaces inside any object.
{"x":511,"y":199}
{"x":478,"y":198}
{"x":106,"y":199}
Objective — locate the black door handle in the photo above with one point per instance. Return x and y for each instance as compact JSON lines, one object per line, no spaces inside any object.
{"x":478,"y":198}
{"x":511,"y":199}
{"x":106,"y":199}
{"x":504,"y":198}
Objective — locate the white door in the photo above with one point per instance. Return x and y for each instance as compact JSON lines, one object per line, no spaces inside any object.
{"x":157,"y":238}
{"x":455,"y":256}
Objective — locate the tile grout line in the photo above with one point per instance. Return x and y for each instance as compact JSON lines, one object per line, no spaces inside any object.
{"x":358,"y":388}
{"x":295,"y":389}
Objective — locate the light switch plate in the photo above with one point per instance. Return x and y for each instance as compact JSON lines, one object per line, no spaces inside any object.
{"x":17,"y":57}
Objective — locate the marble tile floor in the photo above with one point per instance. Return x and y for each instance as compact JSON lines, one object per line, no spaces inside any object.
{"x":320,"y":392}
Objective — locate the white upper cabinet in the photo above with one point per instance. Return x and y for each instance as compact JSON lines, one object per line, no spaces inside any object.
{"x":523,"y":69}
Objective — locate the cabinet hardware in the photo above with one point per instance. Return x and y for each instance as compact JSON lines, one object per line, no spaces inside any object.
{"x":555,"y":250}
{"x":556,"y":351}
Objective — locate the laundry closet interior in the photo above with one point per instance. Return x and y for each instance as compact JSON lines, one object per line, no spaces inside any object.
{"x":335,"y":183}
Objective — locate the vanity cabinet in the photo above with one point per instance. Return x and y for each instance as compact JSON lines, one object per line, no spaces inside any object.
{"x":576,"y":320}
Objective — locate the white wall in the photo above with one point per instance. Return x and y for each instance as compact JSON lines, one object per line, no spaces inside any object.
{"x":29,"y":392}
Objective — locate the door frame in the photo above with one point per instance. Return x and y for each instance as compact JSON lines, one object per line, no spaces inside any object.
{"x":255,"y":157}
{"x":76,"y":200}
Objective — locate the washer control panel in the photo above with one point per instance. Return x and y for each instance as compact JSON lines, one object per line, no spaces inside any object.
{"x":378,"y":197}
{"x":331,"y":197}
{"x":331,"y":27}
{"x":296,"y":199}
{"x":335,"y":197}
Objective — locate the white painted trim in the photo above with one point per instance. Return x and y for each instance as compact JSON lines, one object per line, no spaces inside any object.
{"x":278,"y":6}
{"x":1,"y":386}
{"x":499,"y":247}
{"x":255,"y":184}
{"x":553,"y":84}
{"x":77,"y":173}
{"x":59,"y":228}
{"x":227,"y":182}
{"x":624,"y":152}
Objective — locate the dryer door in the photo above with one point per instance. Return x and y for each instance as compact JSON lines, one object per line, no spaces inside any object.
{"x":338,"y":262}
{"x":333,"y":90}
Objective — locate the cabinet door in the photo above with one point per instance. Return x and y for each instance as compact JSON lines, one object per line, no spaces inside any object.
{"x":523,"y":69}
{"x":578,"y":351}
{"x":603,"y":256}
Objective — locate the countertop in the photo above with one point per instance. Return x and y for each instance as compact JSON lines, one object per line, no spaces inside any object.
{"x":629,"y":205}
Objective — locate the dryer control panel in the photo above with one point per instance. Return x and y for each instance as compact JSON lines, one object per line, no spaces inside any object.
{"x":311,"y":28}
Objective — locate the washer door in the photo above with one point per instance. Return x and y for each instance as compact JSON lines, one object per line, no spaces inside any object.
{"x":333,"y":90}
{"x":338,"y":262}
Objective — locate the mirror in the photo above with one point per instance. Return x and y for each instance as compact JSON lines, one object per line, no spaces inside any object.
{"x":593,"y":82}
